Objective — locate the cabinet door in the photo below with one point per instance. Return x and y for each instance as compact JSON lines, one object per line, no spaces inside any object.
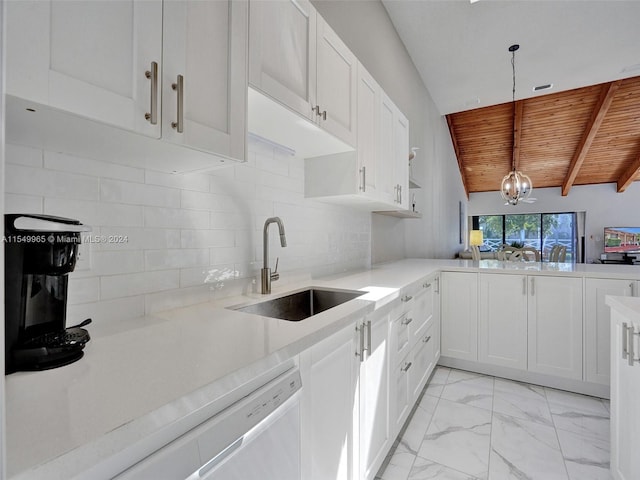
{"x":459,"y":322}
{"x":503,"y":320}
{"x":88,"y":58}
{"x":387,"y":185}
{"x":368,"y":132}
{"x":625,"y":391}
{"x":282,"y":53}
{"x":401,"y":159}
{"x":336,"y":84}
{"x":401,"y":395}
{"x":555,"y":326}
{"x":206,"y":44}
{"x":598,"y":325}
{"x":329,"y":373}
{"x":375,"y":434}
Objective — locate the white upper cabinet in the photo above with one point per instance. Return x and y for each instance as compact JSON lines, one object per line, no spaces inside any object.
{"x":92,"y":72}
{"x":88,"y":58}
{"x":336,"y":84}
{"x":282,"y":58}
{"x":388,"y":185}
{"x":368,"y":133}
{"x":204,"y":73}
{"x":400,"y":160}
{"x":298,"y":60}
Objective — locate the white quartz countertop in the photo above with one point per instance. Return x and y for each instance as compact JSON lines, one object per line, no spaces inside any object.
{"x":154,"y":376}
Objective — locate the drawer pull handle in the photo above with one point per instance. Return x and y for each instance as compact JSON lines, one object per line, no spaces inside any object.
{"x":406,"y":298}
{"x":426,"y":340}
{"x":426,"y":285}
{"x":406,"y":367}
{"x":407,"y":321}
{"x":625,"y":341}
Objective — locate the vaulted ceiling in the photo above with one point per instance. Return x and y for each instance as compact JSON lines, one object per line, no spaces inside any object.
{"x":583,"y":136}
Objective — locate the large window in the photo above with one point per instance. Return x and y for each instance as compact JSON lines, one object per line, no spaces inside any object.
{"x":536,"y":230}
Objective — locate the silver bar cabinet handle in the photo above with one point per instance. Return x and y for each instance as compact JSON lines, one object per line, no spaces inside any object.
{"x":363,"y":187}
{"x":406,"y":298}
{"x":369,"y":336}
{"x":426,"y":340}
{"x":324,"y":115}
{"x":625,"y":341}
{"x":400,"y":190}
{"x":179,"y":89}
{"x":360,"y":330}
{"x":152,"y":75}
{"x":407,"y":321}
{"x":533,"y":286}
{"x":406,"y":367}
{"x":524,"y":285}
{"x":316,"y":109}
{"x":633,"y":288}
{"x":630,"y":342}
{"x":437,"y":284}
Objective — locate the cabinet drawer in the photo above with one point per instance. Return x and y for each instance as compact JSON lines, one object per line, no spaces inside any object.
{"x":423,"y":357}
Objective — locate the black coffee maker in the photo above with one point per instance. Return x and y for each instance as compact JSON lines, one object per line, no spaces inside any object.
{"x":40,"y":251}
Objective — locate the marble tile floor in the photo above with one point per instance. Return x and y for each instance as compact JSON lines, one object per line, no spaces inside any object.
{"x":469,"y":426}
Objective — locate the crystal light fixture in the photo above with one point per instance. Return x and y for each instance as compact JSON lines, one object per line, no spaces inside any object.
{"x":516,"y":186}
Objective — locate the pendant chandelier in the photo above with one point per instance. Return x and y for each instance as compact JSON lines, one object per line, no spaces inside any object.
{"x":516,"y":186}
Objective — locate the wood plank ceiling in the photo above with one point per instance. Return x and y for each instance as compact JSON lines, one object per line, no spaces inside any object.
{"x":584,"y":136}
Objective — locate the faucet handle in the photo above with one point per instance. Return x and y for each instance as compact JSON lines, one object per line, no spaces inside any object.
{"x":275,"y":275}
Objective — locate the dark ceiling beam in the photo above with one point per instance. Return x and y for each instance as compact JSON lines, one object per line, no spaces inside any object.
{"x":456,"y":149}
{"x":629,"y":175}
{"x":597,"y":117}
{"x":517,"y":133}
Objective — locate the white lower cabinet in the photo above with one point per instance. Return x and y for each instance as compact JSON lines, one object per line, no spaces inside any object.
{"x":555,"y":326}
{"x":374,"y":427}
{"x":459,"y":315}
{"x":502,"y":320}
{"x":329,"y":402}
{"x":625,"y":391}
{"x":598,"y":325}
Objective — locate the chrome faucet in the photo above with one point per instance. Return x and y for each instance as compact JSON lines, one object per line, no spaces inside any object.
{"x":265,"y":273}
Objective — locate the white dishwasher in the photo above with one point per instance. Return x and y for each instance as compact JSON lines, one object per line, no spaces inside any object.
{"x":257,"y":438}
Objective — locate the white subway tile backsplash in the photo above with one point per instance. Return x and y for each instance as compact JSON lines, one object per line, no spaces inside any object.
{"x":83,"y":289}
{"x":116,"y":286}
{"x":189,"y":181}
{"x":136,"y":238}
{"x":94,"y":168}
{"x":117,"y":261}
{"x":207,"y":201}
{"x":51,"y":183}
{"x":164,"y":241}
{"x":179,"y":258}
{"x":138,"y":194}
{"x":95,"y":213}
{"x":14,"y":203}
{"x":175,"y":218}
{"x":21,"y":155}
{"x":207,"y":238}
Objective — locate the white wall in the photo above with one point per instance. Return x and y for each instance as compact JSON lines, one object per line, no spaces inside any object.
{"x":368,"y":31}
{"x":603,"y":206}
{"x":188,"y":237}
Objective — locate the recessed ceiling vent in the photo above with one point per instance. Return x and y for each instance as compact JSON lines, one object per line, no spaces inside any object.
{"x":539,"y":88}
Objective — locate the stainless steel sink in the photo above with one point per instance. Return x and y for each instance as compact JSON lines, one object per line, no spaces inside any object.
{"x":300,"y":305}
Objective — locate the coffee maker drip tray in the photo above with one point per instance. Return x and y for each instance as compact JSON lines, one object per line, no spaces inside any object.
{"x":51,"y":350}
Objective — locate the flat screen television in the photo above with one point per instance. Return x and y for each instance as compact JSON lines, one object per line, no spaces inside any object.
{"x":622,"y":240}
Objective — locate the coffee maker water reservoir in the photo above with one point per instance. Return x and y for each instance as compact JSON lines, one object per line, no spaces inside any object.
{"x":40,"y":252}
